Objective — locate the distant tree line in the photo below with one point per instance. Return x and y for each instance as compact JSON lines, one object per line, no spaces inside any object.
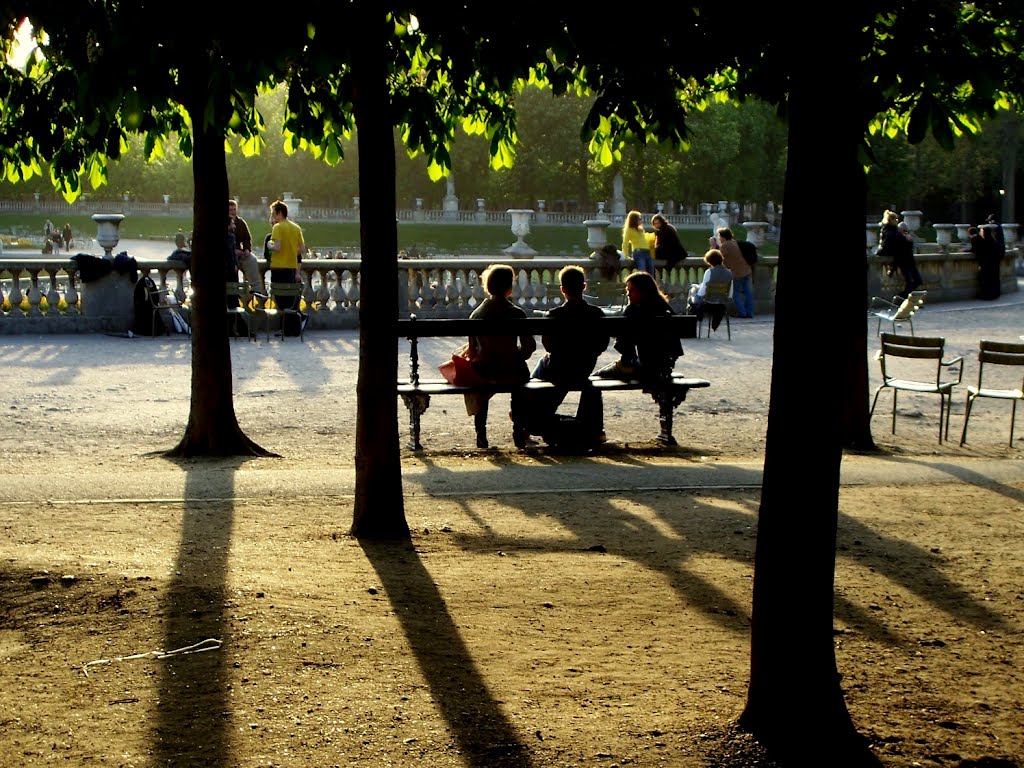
{"x":736,"y":153}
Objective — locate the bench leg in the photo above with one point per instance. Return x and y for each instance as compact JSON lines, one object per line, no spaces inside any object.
{"x":668,"y":400}
{"x":416,"y":403}
{"x":665,"y":420}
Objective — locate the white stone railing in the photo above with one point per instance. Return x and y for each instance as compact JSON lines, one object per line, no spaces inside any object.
{"x":44,"y":295}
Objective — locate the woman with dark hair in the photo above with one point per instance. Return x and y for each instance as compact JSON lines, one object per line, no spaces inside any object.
{"x":644,"y":352}
{"x":667,"y":245}
{"x":500,"y":359}
{"x":897,"y":247}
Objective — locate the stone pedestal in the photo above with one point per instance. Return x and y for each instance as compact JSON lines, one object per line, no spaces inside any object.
{"x":618,"y":198}
{"x":109,"y":300}
{"x":450,"y":204}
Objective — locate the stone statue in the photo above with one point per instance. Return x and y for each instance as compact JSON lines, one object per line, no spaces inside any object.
{"x":618,"y":199}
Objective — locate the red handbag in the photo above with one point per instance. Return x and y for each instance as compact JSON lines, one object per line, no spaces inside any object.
{"x":459,"y":371}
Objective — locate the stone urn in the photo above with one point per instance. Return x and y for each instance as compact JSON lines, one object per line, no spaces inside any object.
{"x":108,"y":231}
{"x":520,"y":228}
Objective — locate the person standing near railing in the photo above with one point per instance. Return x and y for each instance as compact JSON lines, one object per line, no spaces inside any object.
{"x":667,"y":245}
{"x":742,"y":274}
{"x":634,"y":243}
{"x":286,"y":246}
{"x":246,"y":259}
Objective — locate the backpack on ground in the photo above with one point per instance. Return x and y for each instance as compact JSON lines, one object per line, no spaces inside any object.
{"x":749,"y":251}
{"x":173,"y":322}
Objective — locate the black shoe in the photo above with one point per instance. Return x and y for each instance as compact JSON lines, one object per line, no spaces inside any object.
{"x":522,"y":439}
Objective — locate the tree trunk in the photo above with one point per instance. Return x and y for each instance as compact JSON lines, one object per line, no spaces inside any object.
{"x":212,"y":428}
{"x":795,"y":704}
{"x":1011,"y":126}
{"x":379,"y":510}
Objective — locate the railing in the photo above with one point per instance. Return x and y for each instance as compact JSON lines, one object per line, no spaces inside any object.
{"x":60,"y":210}
{"x":45,"y":295}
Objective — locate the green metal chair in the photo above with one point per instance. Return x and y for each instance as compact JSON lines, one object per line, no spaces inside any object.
{"x":1002,"y":355}
{"x":916,"y":364}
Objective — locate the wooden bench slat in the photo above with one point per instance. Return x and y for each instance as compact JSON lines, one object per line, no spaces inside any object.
{"x":442,"y":387}
{"x":684,"y":325}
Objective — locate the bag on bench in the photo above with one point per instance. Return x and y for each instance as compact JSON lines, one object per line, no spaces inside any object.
{"x":459,"y":371}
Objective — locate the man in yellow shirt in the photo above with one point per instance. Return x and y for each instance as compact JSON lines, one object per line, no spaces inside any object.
{"x":286,"y":247}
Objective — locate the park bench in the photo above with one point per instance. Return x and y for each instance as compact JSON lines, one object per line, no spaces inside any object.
{"x":416,"y":390}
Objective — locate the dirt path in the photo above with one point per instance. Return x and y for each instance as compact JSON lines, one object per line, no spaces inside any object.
{"x":551,"y":611}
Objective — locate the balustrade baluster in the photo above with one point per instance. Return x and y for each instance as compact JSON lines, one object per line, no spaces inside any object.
{"x":15,"y":296}
{"x":323,"y":294}
{"x":34,"y":296}
{"x":71,"y":294}
{"x":53,"y":295}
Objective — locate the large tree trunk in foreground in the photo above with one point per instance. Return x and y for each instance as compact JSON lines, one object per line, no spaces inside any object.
{"x":795,"y":704}
{"x":212,"y":425}
{"x":379,"y":510}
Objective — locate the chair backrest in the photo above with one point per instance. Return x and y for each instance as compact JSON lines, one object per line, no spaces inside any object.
{"x":1001,"y":352}
{"x":925,"y":352}
{"x":605,"y":293}
{"x":921,"y":347}
{"x":716,"y":292}
{"x":998,"y":353}
{"x":285,"y":290}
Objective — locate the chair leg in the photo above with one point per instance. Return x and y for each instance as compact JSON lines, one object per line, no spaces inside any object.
{"x":949,"y":413}
{"x":728,"y":328}
{"x":874,"y":402}
{"x":894,"y":393}
{"x":967,"y":418}
{"x":1013,"y":418}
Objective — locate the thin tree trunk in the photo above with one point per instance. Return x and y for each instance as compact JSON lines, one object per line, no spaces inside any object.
{"x":379,"y":509}
{"x":212,"y":428}
{"x":795,"y":704}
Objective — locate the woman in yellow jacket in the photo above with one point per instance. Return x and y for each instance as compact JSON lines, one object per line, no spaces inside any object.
{"x":635,"y":243}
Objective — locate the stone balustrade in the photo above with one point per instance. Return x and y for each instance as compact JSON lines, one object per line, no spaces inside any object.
{"x":45,"y":295}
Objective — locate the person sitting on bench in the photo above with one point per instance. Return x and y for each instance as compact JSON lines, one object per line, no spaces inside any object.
{"x":569,"y":361}
{"x":500,"y":359}
{"x":644,"y":354}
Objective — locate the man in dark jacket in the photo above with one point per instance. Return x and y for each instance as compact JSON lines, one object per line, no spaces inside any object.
{"x":570,"y":359}
{"x":988,"y":253}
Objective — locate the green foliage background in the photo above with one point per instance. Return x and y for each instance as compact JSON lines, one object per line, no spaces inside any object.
{"x":737,"y":153}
